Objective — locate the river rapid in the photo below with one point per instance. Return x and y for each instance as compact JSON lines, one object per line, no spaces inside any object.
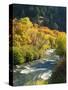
{"x":29,"y":73}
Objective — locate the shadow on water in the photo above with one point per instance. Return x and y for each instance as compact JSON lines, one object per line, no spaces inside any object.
{"x":27,"y":79}
{"x":48,"y":65}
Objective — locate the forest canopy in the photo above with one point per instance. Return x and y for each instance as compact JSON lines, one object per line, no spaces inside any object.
{"x":50,"y":16}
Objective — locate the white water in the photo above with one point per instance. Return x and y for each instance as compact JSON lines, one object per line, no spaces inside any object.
{"x":46,"y":75}
{"x":39,"y":69}
{"x":26,"y":71}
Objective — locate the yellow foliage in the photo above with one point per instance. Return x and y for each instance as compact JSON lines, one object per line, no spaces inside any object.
{"x":26,"y":33}
{"x":61,"y":43}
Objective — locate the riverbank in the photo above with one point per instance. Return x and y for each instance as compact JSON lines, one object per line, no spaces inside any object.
{"x":35,"y":72}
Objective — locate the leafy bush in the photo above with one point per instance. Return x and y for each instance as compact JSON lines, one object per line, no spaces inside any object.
{"x":29,"y":56}
{"x":18,"y":58}
{"x":30,"y":52}
{"x":35,"y":54}
{"x":41,"y":53}
{"x":61,"y":44}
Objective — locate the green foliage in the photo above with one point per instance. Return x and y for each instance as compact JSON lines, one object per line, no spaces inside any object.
{"x":29,"y":56}
{"x":26,"y":21}
{"x":41,"y":53}
{"x":30,"y":52}
{"x":17,"y":56}
{"x":35,"y":53}
{"x":61,"y":44}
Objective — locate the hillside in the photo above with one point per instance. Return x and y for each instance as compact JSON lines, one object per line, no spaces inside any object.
{"x":50,"y":16}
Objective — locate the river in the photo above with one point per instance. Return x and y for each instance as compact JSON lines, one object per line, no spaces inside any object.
{"x":29,"y":73}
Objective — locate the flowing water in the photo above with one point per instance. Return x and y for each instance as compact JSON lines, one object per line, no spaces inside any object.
{"x":38,"y":70}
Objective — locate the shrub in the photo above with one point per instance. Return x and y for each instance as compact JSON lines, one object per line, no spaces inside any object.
{"x":29,"y":56}
{"x":30,"y":52}
{"x":61,"y":44}
{"x":18,"y":58}
{"x":35,"y":53}
{"x":41,"y":53}
{"x":27,"y":50}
